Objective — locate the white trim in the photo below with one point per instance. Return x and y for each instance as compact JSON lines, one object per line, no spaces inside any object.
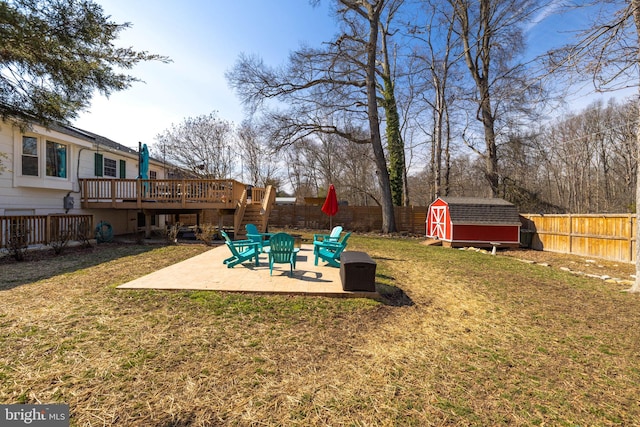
{"x":438,"y":222}
{"x":484,"y":241}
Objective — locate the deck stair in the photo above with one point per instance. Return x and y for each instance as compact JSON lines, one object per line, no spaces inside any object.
{"x":255,"y":213}
{"x":252,"y":215}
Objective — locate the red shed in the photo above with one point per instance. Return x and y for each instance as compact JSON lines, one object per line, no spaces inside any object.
{"x":473,"y":221}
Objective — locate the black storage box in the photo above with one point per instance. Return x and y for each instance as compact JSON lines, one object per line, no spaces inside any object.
{"x":357,"y":272}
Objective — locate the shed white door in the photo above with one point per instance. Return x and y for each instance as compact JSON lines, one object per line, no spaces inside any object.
{"x":438,"y":222}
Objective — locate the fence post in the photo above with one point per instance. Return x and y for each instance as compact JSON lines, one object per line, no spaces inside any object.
{"x":570,"y":234}
{"x":631,"y":235}
{"x":47,"y":229}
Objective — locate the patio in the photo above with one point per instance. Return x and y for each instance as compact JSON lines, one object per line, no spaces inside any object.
{"x":207,"y":272}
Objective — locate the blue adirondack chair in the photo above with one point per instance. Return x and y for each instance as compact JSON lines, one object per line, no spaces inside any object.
{"x":281,"y":251}
{"x":330,"y":251}
{"x":334,"y":236}
{"x":254,"y":235}
{"x":241,"y":251}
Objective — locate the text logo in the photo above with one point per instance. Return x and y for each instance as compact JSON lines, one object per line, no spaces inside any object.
{"x":54,"y":415}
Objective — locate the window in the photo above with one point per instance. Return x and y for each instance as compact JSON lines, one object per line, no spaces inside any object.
{"x":153,"y":175}
{"x":29,"y":156}
{"x":109,"y":167}
{"x":56,"y":159}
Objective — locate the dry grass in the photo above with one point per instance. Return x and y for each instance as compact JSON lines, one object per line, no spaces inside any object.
{"x":478,"y":340}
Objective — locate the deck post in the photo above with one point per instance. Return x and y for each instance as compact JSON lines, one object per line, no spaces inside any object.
{"x":147,"y":225}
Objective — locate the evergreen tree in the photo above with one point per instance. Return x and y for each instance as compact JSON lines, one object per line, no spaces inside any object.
{"x":54,"y":54}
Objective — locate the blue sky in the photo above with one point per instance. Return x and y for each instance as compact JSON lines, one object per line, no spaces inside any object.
{"x":204,"y":39}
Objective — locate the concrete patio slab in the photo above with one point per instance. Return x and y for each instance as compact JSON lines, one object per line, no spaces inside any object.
{"x":207,"y":272}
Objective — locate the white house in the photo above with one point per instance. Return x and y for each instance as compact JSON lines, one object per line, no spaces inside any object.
{"x":50,"y":174}
{"x":42,"y":169}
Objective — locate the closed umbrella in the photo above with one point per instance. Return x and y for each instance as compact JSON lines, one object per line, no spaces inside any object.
{"x":330,"y":206}
{"x":144,"y":167}
{"x":144,"y":162}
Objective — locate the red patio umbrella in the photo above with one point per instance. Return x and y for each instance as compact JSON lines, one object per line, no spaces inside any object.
{"x":330,"y":206}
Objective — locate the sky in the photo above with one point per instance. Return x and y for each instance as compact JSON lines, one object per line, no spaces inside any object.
{"x":204,"y":38}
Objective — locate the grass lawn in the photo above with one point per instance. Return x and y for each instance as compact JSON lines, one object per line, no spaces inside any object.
{"x":478,"y":340}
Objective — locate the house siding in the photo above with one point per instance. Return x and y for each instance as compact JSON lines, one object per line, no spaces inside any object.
{"x":43,"y":195}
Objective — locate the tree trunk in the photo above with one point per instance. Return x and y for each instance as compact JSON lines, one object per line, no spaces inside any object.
{"x":437,"y":136}
{"x":395,"y":144}
{"x":635,"y":4}
{"x":388,"y":214}
{"x":394,"y":139}
{"x":478,"y":61}
{"x":491,"y":154}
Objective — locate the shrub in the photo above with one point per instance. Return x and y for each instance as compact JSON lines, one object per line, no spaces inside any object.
{"x":84,"y":233}
{"x":171,"y":233}
{"x":18,"y":243}
{"x":60,"y":240}
{"x":207,"y":233}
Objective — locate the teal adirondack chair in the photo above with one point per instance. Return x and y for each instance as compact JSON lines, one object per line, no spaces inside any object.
{"x":241,"y":251}
{"x":281,"y":251}
{"x":334,"y":236}
{"x":330,"y":251}
{"x":261,"y":238}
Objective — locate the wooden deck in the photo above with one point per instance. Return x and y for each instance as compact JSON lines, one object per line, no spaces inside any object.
{"x":176,"y":196}
{"x":165,"y":194}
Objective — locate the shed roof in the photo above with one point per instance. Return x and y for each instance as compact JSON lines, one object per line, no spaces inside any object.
{"x":478,"y":210}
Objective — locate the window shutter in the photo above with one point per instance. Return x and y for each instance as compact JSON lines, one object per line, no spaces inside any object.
{"x":123,"y":169}
{"x":98,"y":164}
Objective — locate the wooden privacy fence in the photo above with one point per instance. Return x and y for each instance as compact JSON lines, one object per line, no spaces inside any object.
{"x":43,"y":229}
{"x":607,"y":236}
{"x":356,"y":218}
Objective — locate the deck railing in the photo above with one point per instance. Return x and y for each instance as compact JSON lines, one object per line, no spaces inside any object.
{"x":44,"y":229}
{"x":180,"y":192}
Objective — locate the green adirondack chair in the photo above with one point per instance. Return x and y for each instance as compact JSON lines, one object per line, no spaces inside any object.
{"x":261,"y":238}
{"x":281,"y":251}
{"x":330,"y":251}
{"x":334,"y":236}
{"x":241,"y":251}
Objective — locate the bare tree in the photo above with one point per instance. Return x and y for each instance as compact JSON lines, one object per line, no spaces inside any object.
{"x":297,"y":171}
{"x":436,"y":52}
{"x":492,"y":40}
{"x":609,"y":51}
{"x":586,"y":159}
{"x":635,"y":5}
{"x":625,"y":164}
{"x":256,"y":156}
{"x":371,"y":12}
{"x":339,"y":80}
{"x":395,"y":143}
{"x":204,"y":145}
{"x":357,"y":182}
